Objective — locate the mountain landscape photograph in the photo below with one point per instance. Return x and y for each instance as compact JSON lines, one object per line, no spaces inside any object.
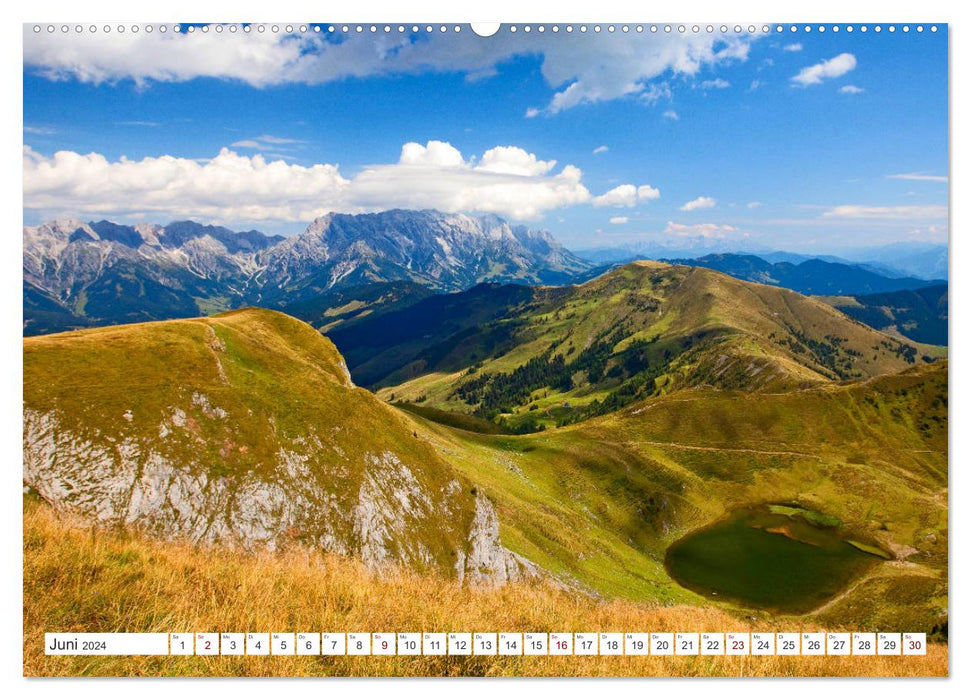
{"x":425,"y":331}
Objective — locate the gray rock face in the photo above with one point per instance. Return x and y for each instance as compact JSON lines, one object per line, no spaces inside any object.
{"x":488,"y":562}
{"x":391,"y":517}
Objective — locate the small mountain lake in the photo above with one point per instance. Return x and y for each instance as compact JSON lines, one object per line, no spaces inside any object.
{"x":780,"y":558}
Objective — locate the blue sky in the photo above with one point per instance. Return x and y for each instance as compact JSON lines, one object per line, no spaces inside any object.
{"x":800,"y":141}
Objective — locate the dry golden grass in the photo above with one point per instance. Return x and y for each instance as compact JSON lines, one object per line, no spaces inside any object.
{"x":82,"y":581}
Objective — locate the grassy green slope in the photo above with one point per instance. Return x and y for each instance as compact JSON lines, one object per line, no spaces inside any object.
{"x":646,"y":329}
{"x":599,"y":502}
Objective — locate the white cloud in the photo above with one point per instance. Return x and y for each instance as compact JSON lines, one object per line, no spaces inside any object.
{"x":851,"y":90}
{"x":831,"y":68}
{"x":859,"y":211}
{"x":580,"y":68}
{"x":618,"y":220}
{"x":717,"y":84}
{"x":39,"y":130}
{"x":918,"y":176}
{"x":532,"y":112}
{"x":601,"y":149}
{"x":792,"y":47}
{"x":755,"y":85}
{"x":512,"y":160}
{"x":626,"y":196}
{"x":648,"y":192}
{"x":698,"y":203}
{"x":709,"y":231}
{"x":236,"y":188}
{"x":435,"y":154}
{"x":670,"y":114}
{"x":754,"y":205}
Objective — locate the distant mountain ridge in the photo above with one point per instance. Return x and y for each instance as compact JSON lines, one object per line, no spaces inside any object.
{"x":919,"y":314}
{"x":812,"y":276}
{"x":927,"y":261}
{"x":79,"y":274}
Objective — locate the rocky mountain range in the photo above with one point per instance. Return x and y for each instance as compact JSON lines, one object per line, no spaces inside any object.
{"x":79,"y":274}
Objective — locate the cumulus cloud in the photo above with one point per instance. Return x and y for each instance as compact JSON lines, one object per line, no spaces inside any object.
{"x":792,"y":47}
{"x":919,"y":177}
{"x":618,"y":220}
{"x":601,"y":149}
{"x":648,"y":192}
{"x":581,"y":69}
{"x":851,"y":90}
{"x":716,"y":84}
{"x":434,"y":154}
{"x":626,"y":196}
{"x":859,"y":211}
{"x":754,"y":205}
{"x":512,"y":160}
{"x":231,"y":187}
{"x":831,"y":68}
{"x":698,"y":203}
{"x":670,"y":114}
{"x":708,"y":231}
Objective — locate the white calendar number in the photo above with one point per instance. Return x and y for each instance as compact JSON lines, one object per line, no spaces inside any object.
{"x":333,"y":644}
{"x":864,"y":644}
{"x":460,"y":643}
{"x":662,"y":643}
{"x":383,"y":643}
{"x":585,"y":644}
{"x":687,"y":643}
{"x":611,"y":644}
{"x":485,"y":643}
{"x":763,"y":644}
{"x":180,"y":644}
{"x":712,"y":643}
{"x":283,"y":644}
{"x":561,"y":644}
{"x":231,"y":643}
{"x":915,"y":643}
{"x":637,"y":644}
{"x":358,"y":644}
{"x":888,"y":644}
{"x":258,"y":644}
{"x":813,"y":644}
{"x":409,"y":643}
{"x":536,"y":643}
{"x":207,"y":643}
{"x":838,"y":643}
{"x":433,"y":643}
{"x":510,"y":643}
{"x":787,"y":644}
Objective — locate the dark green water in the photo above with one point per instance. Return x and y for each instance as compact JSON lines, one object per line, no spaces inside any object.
{"x":791,"y":571}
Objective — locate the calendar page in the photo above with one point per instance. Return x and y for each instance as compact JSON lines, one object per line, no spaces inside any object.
{"x":520,"y":349}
